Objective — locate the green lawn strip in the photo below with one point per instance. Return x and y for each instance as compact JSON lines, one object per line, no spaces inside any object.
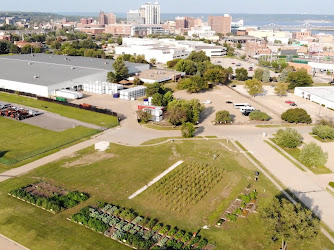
{"x":283,"y":125}
{"x":112,"y":176}
{"x":295,"y":152}
{"x":330,"y":191}
{"x":320,"y":139}
{"x":284,"y":155}
{"x":4,"y":167}
{"x":211,"y":136}
{"x":157,"y":127}
{"x":75,"y":113}
{"x":20,"y":141}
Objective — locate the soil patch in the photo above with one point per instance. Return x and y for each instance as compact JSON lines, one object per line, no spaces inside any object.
{"x":89,"y":159}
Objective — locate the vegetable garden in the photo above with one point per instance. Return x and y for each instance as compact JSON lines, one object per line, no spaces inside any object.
{"x":186,"y":186}
{"x":49,"y":197}
{"x":127,"y":227}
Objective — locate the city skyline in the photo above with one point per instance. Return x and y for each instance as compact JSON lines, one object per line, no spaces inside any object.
{"x":324,"y":7}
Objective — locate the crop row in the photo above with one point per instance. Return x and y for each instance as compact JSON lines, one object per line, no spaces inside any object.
{"x":135,"y":230}
{"x":186,"y":186}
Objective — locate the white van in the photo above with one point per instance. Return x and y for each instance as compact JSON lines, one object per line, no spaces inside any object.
{"x":241,"y":105}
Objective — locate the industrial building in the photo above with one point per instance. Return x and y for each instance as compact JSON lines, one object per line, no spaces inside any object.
{"x":43,"y":74}
{"x":322,"y":95}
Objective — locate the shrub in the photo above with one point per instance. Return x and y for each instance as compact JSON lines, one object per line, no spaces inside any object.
{"x":331,"y":184}
{"x":173,"y":231}
{"x":259,"y":116}
{"x":179,"y":234}
{"x":223,"y":116}
{"x":324,"y":131}
{"x":312,"y":154}
{"x":289,"y":138}
{"x":188,"y":130}
{"x":296,"y":115}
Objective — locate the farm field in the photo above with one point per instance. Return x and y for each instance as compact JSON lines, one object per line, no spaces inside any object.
{"x":20,"y":139}
{"x":70,"y":112}
{"x":113,"y":175}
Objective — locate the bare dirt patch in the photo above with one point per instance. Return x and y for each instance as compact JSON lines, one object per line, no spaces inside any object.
{"x":89,"y":159}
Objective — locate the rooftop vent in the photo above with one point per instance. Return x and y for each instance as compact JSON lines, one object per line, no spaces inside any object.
{"x":106,"y":63}
{"x":36,"y":76}
{"x":72,"y":67}
{"x":29,"y":63}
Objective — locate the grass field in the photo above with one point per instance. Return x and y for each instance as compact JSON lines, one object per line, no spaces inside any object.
{"x":157,"y":127}
{"x":295,"y":152}
{"x":115,"y":174}
{"x":20,"y":139}
{"x":78,"y":114}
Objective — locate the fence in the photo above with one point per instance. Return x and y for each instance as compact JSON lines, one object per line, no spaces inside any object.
{"x":89,"y":108}
{"x":17,"y":92}
{"x":8,"y":161}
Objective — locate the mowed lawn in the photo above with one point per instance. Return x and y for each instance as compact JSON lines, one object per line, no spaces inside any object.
{"x":75,"y":113}
{"x":114,"y":175}
{"x":19,"y":139}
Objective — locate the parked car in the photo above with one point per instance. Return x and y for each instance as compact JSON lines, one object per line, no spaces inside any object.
{"x":233,"y":86}
{"x":233,"y":62}
{"x":229,"y":102}
{"x":250,"y":69}
{"x":207,"y":102}
{"x":246,"y":113}
{"x":289,"y":102}
{"x":238,"y":65}
{"x":293,"y":104}
{"x":5,"y":106}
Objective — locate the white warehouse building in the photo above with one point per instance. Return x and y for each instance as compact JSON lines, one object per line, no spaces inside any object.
{"x":164,"y":50}
{"x":43,"y":74}
{"x":322,"y":95}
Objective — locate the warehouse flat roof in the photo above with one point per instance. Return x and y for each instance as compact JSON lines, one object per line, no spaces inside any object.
{"x":49,"y":74}
{"x":323,"y":92}
{"x":77,"y":61}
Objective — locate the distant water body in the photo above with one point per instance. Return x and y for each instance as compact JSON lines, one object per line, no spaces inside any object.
{"x":249,"y":19}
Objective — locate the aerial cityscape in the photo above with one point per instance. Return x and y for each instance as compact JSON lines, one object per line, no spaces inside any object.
{"x":167,"y":125}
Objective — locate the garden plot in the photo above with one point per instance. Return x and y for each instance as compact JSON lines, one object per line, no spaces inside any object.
{"x":133,"y":230}
{"x":49,"y":197}
{"x":186,"y":186}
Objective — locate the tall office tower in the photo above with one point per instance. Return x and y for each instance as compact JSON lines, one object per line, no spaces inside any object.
{"x":134,"y":17}
{"x":151,"y":12}
{"x":105,"y":19}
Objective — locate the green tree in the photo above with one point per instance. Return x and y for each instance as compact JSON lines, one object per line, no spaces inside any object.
{"x":284,"y":220}
{"x":172,"y":63}
{"x":253,"y":87}
{"x":55,"y":45}
{"x":180,"y":111}
{"x":324,"y":132}
{"x":188,"y":130}
{"x":154,"y":88}
{"x":186,"y":66}
{"x":178,"y":37}
{"x":111,"y":77}
{"x":284,"y":75}
{"x":26,"y":49}
{"x":119,"y":40}
{"x":137,"y":81}
{"x":223,"y":117}
{"x":121,"y":70}
{"x":241,"y":74}
{"x":239,"y":46}
{"x":229,"y":72}
{"x":296,"y":115}
{"x":281,"y":88}
{"x":153,"y":61}
{"x":259,"y":116}
{"x":258,"y":74}
{"x":289,"y":138}
{"x":299,"y":78}
{"x":199,"y":56}
{"x":266,"y":76}
{"x":312,"y":155}
{"x":193,"y":84}
{"x":144,"y":116}
{"x":216,"y":75}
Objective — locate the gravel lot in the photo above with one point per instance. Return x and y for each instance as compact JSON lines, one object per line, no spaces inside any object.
{"x":219,"y":97}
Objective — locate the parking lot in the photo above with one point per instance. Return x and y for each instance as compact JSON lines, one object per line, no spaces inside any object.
{"x":49,"y":120}
{"x":219,"y":97}
{"x":232,"y":62}
{"x":278,"y":104}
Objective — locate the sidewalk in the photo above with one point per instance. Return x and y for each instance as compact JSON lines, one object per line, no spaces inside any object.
{"x":298,"y":182}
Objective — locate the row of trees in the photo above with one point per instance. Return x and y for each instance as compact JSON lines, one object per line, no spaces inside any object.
{"x":311,"y":154}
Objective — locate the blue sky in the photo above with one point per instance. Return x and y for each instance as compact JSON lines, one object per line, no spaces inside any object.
{"x":177,"y":6}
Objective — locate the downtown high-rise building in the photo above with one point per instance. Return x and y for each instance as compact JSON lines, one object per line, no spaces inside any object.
{"x":148,"y":13}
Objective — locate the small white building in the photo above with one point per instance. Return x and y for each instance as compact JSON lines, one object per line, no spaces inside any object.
{"x":322,"y":95}
{"x":317,"y":66}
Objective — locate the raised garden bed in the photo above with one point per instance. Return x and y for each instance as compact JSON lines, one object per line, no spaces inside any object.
{"x":49,"y":197}
{"x":138,"y":232}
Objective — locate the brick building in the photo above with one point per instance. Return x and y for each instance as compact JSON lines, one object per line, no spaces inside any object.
{"x":220,"y":24}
